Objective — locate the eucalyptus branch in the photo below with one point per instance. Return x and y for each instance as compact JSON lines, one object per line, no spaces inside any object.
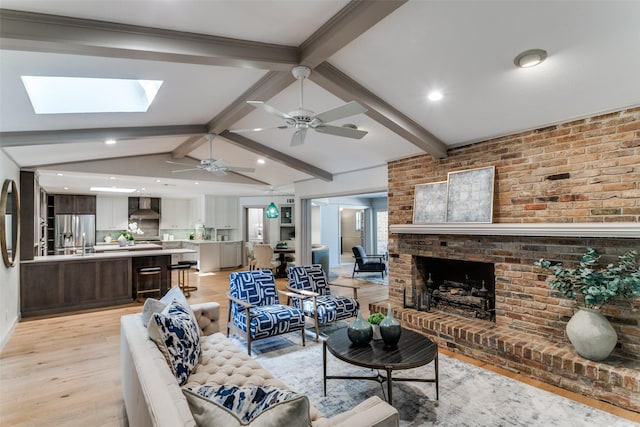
{"x":597,"y":286}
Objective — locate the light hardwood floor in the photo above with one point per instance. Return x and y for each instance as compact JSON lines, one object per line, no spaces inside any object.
{"x":64,"y":371}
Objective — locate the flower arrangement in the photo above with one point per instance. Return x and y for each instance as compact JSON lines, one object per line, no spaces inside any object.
{"x":597,"y":286}
{"x":131,"y":230}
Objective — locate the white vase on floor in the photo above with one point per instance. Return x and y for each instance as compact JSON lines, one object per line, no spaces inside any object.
{"x":591,"y":334}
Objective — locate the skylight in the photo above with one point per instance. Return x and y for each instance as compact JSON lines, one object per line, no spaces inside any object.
{"x":64,"y":95}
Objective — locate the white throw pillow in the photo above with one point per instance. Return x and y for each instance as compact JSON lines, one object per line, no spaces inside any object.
{"x":176,"y":334}
{"x":152,"y":305}
{"x":258,"y":406}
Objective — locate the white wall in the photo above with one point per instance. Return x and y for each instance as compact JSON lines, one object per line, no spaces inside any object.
{"x":9,"y":277}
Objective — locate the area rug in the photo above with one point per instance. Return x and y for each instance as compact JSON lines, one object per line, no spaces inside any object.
{"x":469,"y":396}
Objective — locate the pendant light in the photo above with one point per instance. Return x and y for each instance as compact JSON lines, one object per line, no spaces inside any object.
{"x":272,"y":211}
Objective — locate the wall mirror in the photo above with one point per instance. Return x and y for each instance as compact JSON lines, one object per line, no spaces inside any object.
{"x":9,"y":222}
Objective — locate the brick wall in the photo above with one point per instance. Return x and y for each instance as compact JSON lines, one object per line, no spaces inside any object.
{"x":582,"y":171}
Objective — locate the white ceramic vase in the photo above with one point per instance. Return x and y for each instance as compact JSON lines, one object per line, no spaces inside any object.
{"x":591,"y":334}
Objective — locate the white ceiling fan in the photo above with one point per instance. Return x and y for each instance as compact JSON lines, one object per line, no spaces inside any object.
{"x":302,"y":119}
{"x":217,"y":167}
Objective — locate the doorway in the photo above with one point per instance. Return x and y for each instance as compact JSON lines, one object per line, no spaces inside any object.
{"x":352,"y":232}
{"x":255,"y":226}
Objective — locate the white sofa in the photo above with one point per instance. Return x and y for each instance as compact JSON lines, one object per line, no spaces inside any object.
{"x":153,"y":397}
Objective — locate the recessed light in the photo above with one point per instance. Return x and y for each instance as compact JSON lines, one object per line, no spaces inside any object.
{"x":112,"y":177}
{"x":261,"y":161}
{"x":66,"y":188}
{"x":157,"y":180}
{"x":196,"y":183}
{"x":110,"y":141}
{"x":435,"y":96}
{"x":530,"y":58}
{"x":60,"y":174}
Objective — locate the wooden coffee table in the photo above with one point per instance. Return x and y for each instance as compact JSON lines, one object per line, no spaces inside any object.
{"x":413,"y":350}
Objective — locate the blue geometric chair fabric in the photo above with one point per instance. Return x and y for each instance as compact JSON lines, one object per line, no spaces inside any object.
{"x":319,"y":304}
{"x":254,"y":309}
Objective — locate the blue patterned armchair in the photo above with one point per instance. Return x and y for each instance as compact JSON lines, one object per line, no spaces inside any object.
{"x":318,"y":303}
{"x":254,"y":308}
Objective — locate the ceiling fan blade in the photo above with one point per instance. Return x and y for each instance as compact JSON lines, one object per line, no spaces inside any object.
{"x":187,"y":170}
{"x":269,"y":109}
{"x":341,"y":131}
{"x":298,"y":137}
{"x":239,"y":169}
{"x":349,"y":109}
{"x":178,"y":163}
{"x":218,"y":172}
{"x":258,"y":129}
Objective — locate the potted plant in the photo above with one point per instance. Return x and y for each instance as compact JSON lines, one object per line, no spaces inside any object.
{"x":375,"y":319}
{"x":591,"y":287}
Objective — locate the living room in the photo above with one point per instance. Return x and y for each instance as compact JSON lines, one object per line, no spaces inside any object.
{"x":565,"y":153}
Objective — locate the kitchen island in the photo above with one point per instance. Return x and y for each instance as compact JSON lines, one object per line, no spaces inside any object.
{"x":210,"y":255}
{"x":62,"y":283}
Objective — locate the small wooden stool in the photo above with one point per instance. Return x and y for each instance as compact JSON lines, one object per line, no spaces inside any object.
{"x":148,"y":272}
{"x":182,"y":271}
{"x":189,"y":288}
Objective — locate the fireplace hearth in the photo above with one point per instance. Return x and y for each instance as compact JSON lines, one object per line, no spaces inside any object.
{"x":466,"y":288}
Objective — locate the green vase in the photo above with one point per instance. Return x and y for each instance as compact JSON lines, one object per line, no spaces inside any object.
{"x":390,"y":330}
{"x":360,"y":331}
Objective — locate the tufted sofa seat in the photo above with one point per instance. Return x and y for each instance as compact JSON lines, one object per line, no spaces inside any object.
{"x":153,"y":397}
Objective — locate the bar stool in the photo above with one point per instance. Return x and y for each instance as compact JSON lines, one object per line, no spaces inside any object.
{"x":181,"y":269}
{"x":190,"y":264}
{"x":148,"y":272}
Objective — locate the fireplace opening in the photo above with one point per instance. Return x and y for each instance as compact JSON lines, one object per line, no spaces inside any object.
{"x":462,"y":287}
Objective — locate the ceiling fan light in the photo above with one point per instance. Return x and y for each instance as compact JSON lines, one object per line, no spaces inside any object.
{"x":530,"y":58}
{"x":272,"y":211}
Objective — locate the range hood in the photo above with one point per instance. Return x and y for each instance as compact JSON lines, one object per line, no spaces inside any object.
{"x":144,"y":210}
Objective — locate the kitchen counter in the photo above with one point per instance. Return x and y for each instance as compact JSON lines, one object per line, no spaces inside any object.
{"x":117,"y":247}
{"x":109,"y":254}
{"x":202,"y":241}
{"x":63,"y":283}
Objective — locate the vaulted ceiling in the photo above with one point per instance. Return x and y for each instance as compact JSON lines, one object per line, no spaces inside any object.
{"x":387,"y":55}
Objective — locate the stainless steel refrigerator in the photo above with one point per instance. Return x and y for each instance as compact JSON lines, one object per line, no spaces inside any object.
{"x":75,"y":233}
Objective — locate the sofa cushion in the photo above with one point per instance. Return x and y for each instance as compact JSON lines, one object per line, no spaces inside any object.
{"x":176,"y":334}
{"x":239,"y":406}
{"x":152,"y":305}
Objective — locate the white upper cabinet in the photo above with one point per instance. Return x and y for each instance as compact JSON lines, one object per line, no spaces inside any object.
{"x":198,"y":210}
{"x":222,"y":212}
{"x":176,"y":214}
{"x":111,"y":213}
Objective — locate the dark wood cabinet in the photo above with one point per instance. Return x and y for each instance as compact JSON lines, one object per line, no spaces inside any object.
{"x":74,"y":204}
{"x":57,"y":287}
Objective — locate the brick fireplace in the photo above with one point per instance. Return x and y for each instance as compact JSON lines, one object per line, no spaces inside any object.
{"x":558,"y":190}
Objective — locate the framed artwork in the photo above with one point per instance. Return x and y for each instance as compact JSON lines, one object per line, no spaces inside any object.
{"x":470,"y":195}
{"x":430,"y":203}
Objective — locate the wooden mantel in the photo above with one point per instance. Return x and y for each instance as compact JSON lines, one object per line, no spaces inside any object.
{"x":629,"y":230}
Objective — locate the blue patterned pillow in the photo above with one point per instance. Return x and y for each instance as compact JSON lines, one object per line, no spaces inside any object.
{"x":177,"y":336}
{"x":230,"y":406}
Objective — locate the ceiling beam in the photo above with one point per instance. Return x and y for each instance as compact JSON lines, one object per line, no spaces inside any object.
{"x":14,"y":139}
{"x":330,"y":78}
{"x":277,"y":156}
{"x":345,"y":26}
{"x":268,"y":86}
{"x":37,"y":32}
{"x":264,"y":89}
